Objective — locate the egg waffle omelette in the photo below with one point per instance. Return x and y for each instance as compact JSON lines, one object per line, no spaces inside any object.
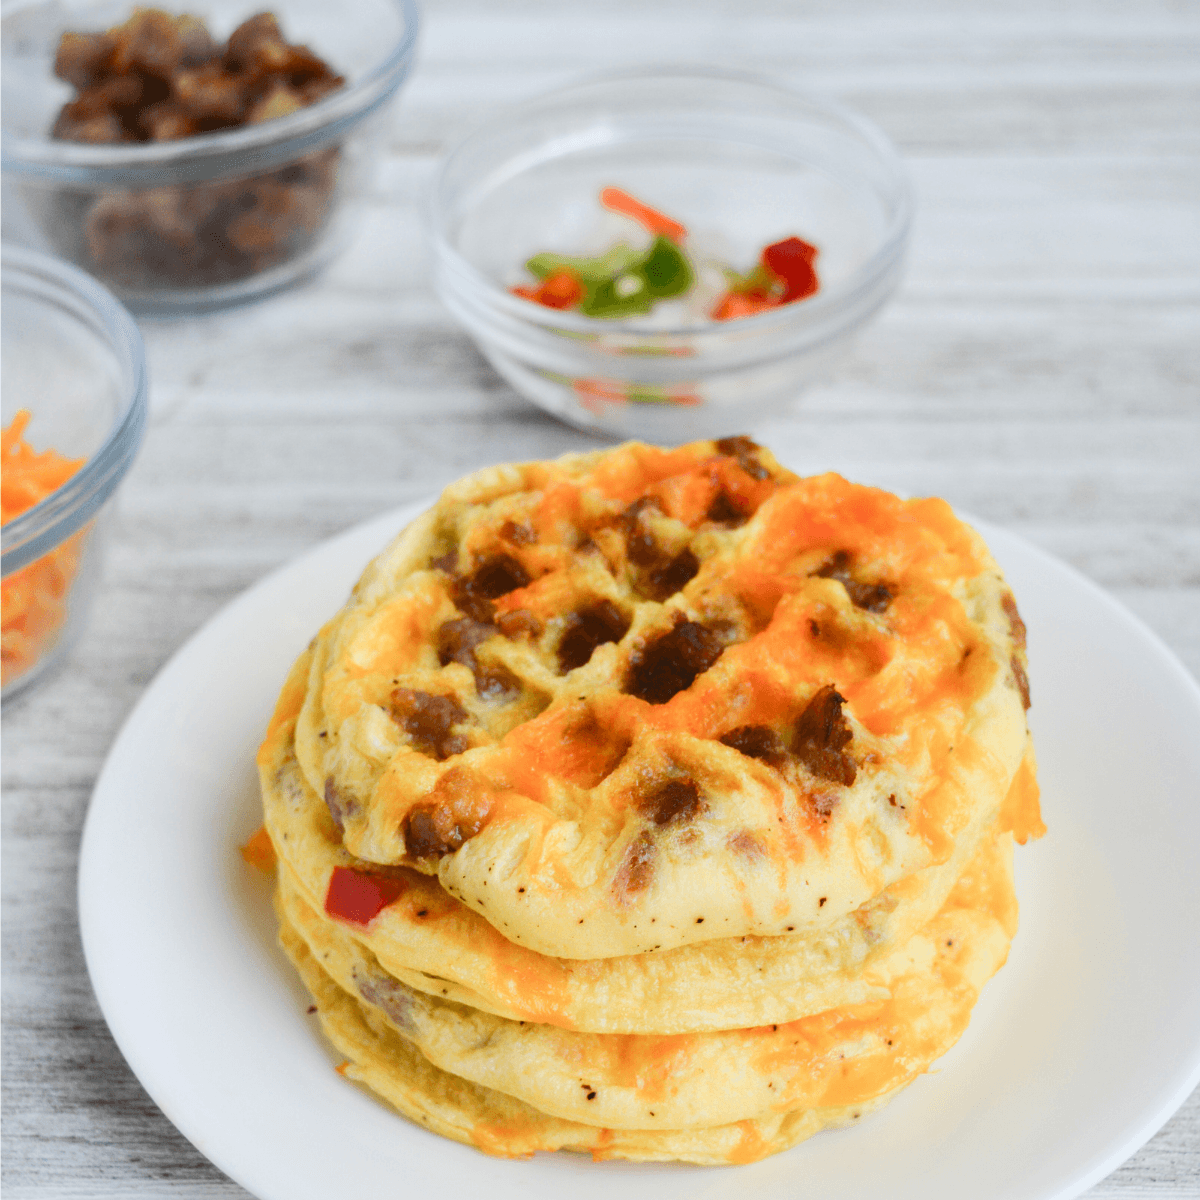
{"x":655,"y":803}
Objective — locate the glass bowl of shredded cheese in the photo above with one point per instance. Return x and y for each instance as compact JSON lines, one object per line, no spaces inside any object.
{"x":73,"y":412}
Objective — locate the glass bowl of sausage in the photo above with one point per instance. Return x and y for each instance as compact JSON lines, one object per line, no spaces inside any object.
{"x":195,"y":162}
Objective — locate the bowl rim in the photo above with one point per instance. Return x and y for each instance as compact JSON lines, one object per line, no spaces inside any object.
{"x":205,"y":154}
{"x":68,"y":508}
{"x":823,"y":304}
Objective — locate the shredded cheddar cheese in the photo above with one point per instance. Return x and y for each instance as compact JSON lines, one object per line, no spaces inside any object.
{"x":259,"y":852}
{"x":34,"y":599}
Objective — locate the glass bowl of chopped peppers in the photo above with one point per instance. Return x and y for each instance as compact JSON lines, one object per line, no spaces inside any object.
{"x":73,"y":413}
{"x":195,"y":162}
{"x":669,"y":253}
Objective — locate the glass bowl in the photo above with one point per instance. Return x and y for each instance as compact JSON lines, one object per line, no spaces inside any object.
{"x":157,"y":221}
{"x":741,"y":161}
{"x":73,"y":357}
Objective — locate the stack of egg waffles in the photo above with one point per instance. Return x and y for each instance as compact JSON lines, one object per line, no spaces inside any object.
{"x":654,"y":803}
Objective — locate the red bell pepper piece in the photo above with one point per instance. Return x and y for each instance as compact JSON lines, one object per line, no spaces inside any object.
{"x":785,"y":273}
{"x":649,"y":218}
{"x":558,"y":290}
{"x":742,"y":304}
{"x":792,"y":261}
{"x":358,"y":896}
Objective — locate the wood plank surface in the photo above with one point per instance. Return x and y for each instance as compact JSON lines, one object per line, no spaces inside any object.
{"x":1040,"y":368}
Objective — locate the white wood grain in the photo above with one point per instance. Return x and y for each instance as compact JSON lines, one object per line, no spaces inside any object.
{"x":1040,"y":368}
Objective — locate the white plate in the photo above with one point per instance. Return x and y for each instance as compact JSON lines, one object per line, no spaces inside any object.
{"x":1077,"y":1053}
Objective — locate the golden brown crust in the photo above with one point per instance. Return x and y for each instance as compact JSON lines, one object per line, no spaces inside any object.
{"x":654,"y":803}
{"x":506,"y":1127}
{"x":528,"y":672}
{"x":846,"y":1055}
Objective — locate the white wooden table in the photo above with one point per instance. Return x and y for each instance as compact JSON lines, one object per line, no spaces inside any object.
{"x":1040,"y":368}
